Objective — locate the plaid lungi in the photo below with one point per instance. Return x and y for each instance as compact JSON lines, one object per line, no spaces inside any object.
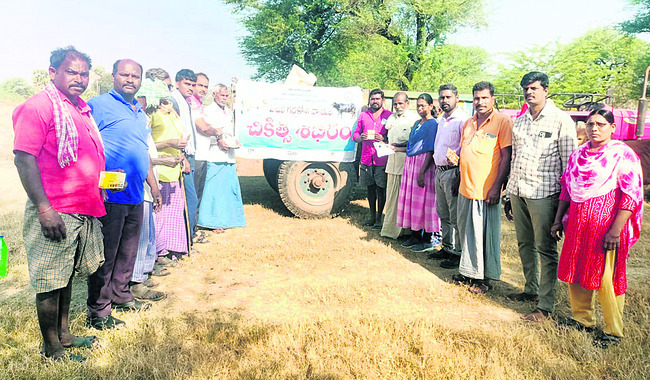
{"x":171,"y":232}
{"x":51,"y":263}
{"x":416,"y":206}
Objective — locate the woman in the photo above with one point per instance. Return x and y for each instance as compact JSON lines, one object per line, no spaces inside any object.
{"x":416,"y":207}
{"x":603,"y":193}
{"x":171,"y":229}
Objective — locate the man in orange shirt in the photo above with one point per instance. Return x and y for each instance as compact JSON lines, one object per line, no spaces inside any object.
{"x":484,"y":166}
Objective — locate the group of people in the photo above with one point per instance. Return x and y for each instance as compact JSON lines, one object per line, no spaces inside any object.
{"x":449,"y":173}
{"x":177,"y":157}
{"x":446,"y":175}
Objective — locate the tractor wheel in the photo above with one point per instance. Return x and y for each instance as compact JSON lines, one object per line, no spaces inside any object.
{"x":270,"y":167}
{"x":312,"y":190}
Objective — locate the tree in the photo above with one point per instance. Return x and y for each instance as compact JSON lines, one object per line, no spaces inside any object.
{"x":326,"y":37}
{"x":601,"y":61}
{"x":15,"y":89}
{"x":40,"y":79}
{"x":100,"y":82}
{"x":640,"y":22}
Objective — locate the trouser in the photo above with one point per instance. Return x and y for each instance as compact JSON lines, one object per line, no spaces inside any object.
{"x":146,"y":256}
{"x":190,"y":195}
{"x":537,"y":249}
{"x":446,"y":207}
{"x":583,"y":302}
{"x":110,"y":284}
{"x":200,"y":172}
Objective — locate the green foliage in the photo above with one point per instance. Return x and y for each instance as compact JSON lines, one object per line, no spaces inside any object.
{"x":640,"y":23}
{"x":603,"y":60}
{"x":15,"y":89}
{"x":40,"y":79}
{"x":461,"y":65}
{"x":327,"y":37}
{"x":100,"y":82}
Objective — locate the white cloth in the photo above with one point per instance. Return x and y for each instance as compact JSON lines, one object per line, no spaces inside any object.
{"x":186,"y":118}
{"x":153,"y":153}
{"x":399,"y":128}
{"x":207,"y":148}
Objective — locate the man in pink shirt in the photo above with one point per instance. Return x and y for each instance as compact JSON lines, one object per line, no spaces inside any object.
{"x":371,"y":128}
{"x":59,"y":156}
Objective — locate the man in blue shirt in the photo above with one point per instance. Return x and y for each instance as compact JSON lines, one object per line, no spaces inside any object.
{"x":123,"y":126}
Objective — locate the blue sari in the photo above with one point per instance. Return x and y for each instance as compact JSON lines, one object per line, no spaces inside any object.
{"x":422,"y":138}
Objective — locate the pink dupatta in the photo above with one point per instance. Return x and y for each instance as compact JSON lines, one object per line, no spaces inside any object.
{"x":592,"y":174}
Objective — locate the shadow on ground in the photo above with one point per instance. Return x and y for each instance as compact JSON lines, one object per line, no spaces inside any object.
{"x":356,"y":214}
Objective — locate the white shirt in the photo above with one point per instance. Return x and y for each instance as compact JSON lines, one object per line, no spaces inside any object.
{"x":188,"y":124}
{"x":217,"y":118}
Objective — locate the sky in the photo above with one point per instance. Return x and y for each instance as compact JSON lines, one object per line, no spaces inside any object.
{"x":203,"y":34}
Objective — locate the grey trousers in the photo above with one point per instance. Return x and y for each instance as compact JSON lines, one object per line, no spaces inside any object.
{"x":446,"y":206}
{"x":479,"y":226}
{"x":537,"y":249}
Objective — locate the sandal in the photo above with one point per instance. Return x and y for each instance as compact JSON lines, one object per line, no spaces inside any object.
{"x":200,"y":239}
{"x":83,"y":342}
{"x":160,"y":271}
{"x":479,"y":287}
{"x":606,"y":340}
{"x":65,"y":356}
{"x":460,"y":279}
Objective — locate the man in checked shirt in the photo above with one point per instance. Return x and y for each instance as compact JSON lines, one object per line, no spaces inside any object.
{"x":542,"y":140}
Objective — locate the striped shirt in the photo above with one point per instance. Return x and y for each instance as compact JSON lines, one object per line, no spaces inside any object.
{"x":540,"y":150}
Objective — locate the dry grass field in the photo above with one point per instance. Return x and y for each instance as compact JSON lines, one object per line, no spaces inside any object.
{"x":315,"y":299}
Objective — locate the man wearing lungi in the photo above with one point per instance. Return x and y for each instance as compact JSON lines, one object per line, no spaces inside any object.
{"x":59,"y":156}
{"x":485,"y":151}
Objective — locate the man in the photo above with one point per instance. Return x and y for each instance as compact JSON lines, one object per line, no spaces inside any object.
{"x":450,"y":128}
{"x":59,"y":156}
{"x":185,"y":85}
{"x":221,"y":206}
{"x":542,"y":141}
{"x":204,"y":132}
{"x":371,"y":127}
{"x":123,"y":125}
{"x":484,"y":164}
{"x":399,"y":126}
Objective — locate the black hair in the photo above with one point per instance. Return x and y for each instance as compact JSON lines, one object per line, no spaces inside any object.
{"x":59,"y":55}
{"x":185,"y":74}
{"x":533,"y":77}
{"x":448,"y":86}
{"x":376,"y":91}
{"x":203,"y":74}
{"x":117,"y":63}
{"x":427,"y":98}
{"x":156,"y":73}
{"x":607,"y":114}
{"x":480,"y":86}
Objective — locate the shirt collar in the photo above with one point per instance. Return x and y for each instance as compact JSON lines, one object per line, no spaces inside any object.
{"x":489,"y":118}
{"x":547,"y":108}
{"x":82,"y":106}
{"x":121,"y":99}
{"x":454,"y":115}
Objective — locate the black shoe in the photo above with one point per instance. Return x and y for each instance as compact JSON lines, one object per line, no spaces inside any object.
{"x":442,"y":254}
{"x":133,"y":305}
{"x":521,"y":297}
{"x":413,"y":240}
{"x":573,"y":324}
{"x":606,"y":340}
{"x":451,"y":263}
{"x":104,"y":323}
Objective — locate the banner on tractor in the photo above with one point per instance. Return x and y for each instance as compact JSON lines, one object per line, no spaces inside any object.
{"x":296,"y":123}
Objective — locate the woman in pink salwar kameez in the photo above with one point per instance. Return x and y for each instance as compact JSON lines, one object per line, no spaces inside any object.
{"x":602,"y":190}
